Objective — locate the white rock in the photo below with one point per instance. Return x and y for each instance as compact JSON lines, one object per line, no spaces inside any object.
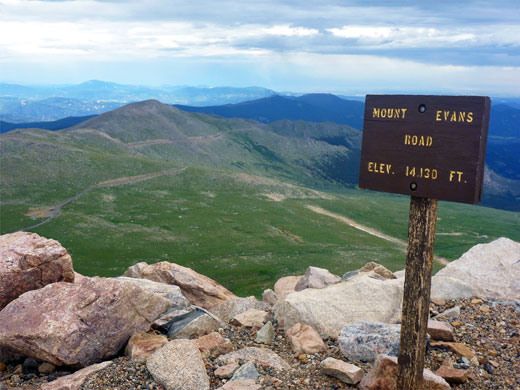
{"x":269,"y":296}
{"x":285,"y":286}
{"x":328,"y":310}
{"x":266,"y":334}
{"x":315,"y":277}
{"x":233,"y":307}
{"x":486,"y":270}
{"x":453,"y":312}
{"x":251,"y":318}
{"x":169,"y":291}
{"x":179,"y":365}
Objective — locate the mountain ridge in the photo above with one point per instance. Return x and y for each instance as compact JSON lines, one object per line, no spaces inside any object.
{"x":309,"y":107}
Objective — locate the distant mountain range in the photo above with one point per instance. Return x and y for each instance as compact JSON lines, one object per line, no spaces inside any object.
{"x":313,"y":116}
{"x":46,"y":103}
{"x":310,"y":107}
{"x":310,"y":153}
{"x":59,"y":124}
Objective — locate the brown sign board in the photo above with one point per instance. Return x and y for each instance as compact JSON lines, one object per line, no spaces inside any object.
{"x":425,"y":146}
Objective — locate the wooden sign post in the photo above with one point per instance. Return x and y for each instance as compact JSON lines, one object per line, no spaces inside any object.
{"x":428,"y":147}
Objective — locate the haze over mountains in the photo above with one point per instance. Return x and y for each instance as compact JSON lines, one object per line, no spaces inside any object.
{"x":47,"y":103}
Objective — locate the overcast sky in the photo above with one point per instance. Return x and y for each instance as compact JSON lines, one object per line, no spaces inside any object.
{"x":352,"y":47}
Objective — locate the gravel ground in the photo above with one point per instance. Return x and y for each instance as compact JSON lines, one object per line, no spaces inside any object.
{"x":490,"y":329}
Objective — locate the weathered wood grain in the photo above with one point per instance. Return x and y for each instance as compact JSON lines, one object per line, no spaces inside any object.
{"x":416,"y":301}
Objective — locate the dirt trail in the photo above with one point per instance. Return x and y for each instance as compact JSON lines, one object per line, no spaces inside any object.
{"x":54,"y":212}
{"x":142,"y":144}
{"x":368,"y":230}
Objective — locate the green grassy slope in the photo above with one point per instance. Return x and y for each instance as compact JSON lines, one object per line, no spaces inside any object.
{"x":238,"y":212}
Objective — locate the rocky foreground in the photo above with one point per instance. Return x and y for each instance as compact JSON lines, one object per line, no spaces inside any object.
{"x":164,"y":326}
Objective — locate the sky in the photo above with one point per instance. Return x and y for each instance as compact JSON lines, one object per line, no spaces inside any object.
{"x":349,"y":47}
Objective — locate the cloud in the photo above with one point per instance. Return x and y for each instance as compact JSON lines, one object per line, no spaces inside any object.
{"x":467,"y":34}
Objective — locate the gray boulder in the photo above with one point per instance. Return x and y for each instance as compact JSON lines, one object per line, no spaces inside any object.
{"x":246,"y":371}
{"x":266,"y":334}
{"x":363,"y":341}
{"x":195,"y":323}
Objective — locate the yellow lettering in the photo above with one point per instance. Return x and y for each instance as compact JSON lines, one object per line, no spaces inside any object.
{"x":381,"y":168}
{"x":390,"y":113}
{"x":388,"y":166}
{"x":453,"y":117}
{"x":414,"y":140}
{"x":421,"y":142}
{"x":459,"y":175}
{"x":406,"y":139}
{"x":429,"y":141}
{"x":370,"y":167}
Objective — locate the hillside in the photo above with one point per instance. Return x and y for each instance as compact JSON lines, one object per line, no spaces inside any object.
{"x":231,"y":198}
{"x":311,"y":107}
{"x":502,"y":185}
{"x":59,"y":124}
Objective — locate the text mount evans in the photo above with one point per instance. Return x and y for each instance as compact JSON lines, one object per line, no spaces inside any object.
{"x":425,"y":146}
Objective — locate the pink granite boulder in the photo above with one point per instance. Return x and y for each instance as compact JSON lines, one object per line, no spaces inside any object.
{"x":29,"y":262}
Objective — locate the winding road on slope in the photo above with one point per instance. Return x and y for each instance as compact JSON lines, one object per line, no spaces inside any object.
{"x":54,"y":212}
{"x":368,"y":230}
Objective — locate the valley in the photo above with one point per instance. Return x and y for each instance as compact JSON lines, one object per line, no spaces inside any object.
{"x":230,"y":198}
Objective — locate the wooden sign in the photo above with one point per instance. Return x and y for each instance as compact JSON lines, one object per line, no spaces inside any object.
{"x":429,"y":147}
{"x":425,"y":146}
